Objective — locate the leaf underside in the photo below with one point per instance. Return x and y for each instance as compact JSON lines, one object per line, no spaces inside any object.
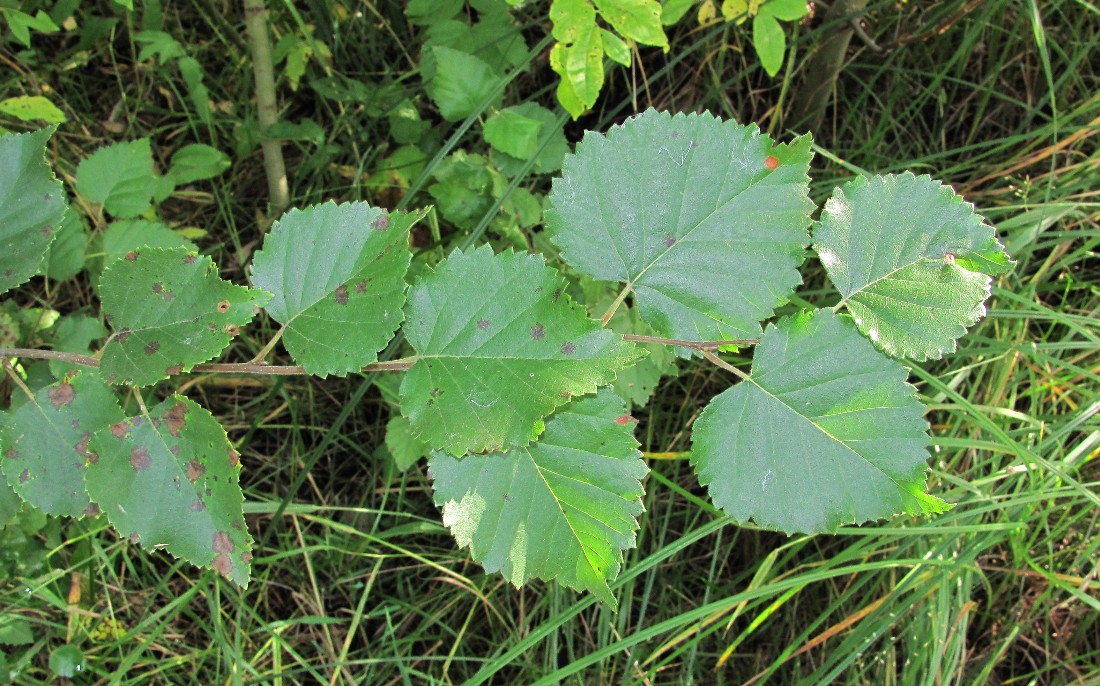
{"x":911,"y":259}
{"x":337,"y":273}
{"x":562,"y":509}
{"x":44,"y":442}
{"x":706,"y":221}
{"x":170,"y":480}
{"x":170,"y":311}
{"x":32,"y":204}
{"x":500,"y":346}
{"x":825,"y":433}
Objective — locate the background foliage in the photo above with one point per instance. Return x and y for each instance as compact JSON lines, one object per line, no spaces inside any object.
{"x":354,"y":577}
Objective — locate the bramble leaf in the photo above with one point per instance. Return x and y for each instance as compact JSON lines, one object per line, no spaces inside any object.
{"x":67,"y":253}
{"x":500,"y":346}
{"x":169,"y":480}
{"x":564,"y":508}
{"x":169,"y":311}
{"x":706,"y":220}
{"x":44,"y":443}
{"x":119,"y":177}
{"x":32,"y":204}
{"x":911,"y":259}
{"x":337,"y":273}
{"x":826,"y":432}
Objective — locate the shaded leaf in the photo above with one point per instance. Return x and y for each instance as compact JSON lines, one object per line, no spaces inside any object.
{"x":500,"y":346}
{"x":197,"y":162}
{"x":32,"y":204}
{"x":562,"y":509}
{"x":119,"y":177}
{"x":550,"y":147}
{"x":825,"y":433}
{"x":510,"y":132}
{"x":74,"y":333}
{"x":67,"y":252}
{"x":911,"y":260}
{"x":405,"y":448}
{"x":169,"y":311}
{"x":337,"y":273}
{"x":706,"y":233}
{"x":129,"y":234}
{"x":459,"y":82}
{"x":169,"y":480}
{"x":44,"y":443}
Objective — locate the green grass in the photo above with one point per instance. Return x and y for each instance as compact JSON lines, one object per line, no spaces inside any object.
{"x":356,"y":580}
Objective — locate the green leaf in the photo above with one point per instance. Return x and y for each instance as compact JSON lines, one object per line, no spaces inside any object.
{"x":10,"y":503}
{"x":510,"y":132}
{"x":22,"y":23}
{"x":169,"y":311}
{"x":570,"y":19}
{"x":770,"y":42}
{"x":582,"y":65}
{"x":551,"y":146}
{"x":707,"y":236}
{"x":337,"y":274}
{"x":674,"y":10}
{"x":45,"y":442}
{"x":500,"y":346}
{"x":197,"y":93}
{"x":615,"y":48}
{"x":886,"y":244}
{"x":66,"y":255}
{"x":636,"y":384}
{"x":786,"y":10}
{"x":32,"y":204}
{"x":427,"y":12}
{"x":638,"y":20}
{"x":158,"y":44}
{"x":121,"y":237}
{"x":826,"y":432}
{"x":119,"y":177}
{"x":403,"y":445}
{"x":565,"y":92}
{"x":197,"y":162}
{"x":14,"y":630}
{"x":463,"y":191}
{"x":169,"y":479}
{"x":74,"y":334}
{"x":564,"y":508}
{"x":31,"y":108}
{"x":459,"y":82}
{"x":67,"y":661}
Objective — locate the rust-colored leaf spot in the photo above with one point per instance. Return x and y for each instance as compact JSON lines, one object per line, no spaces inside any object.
{"x":623,"y":420}
{"x":47,"y":230}
{"x":158,"y":288}
{"x":538,"y":331}
{"x":92,"y":510}
{"x":246,"y":557}
{"x":949,"y":258}
{"x":81,"y":446}
{"x":436,"y":392}
{"x":361,"y":286}
{"x":381,"y":223}
{"x":190,"y":259}
{"x":61,"y":395}
{"x":131,"y":256}
{"x":25,"y":476}
{"x":195,"y":469}
{"x":175,"y":450}
{"x":174,"y":369}
{"x":771,"y":162}
{"x":234,"y":458}
{"x":139,"y":459}
{"x":120,"y":430}
{"x":11,"y":454}
{"x":568,"y":348}
{"x":223,"y":547}
{"x":151,"y":347}
{"x":135,"y":538}
{"x":341,"y":295}
{"x":223,"y":306}
{"x":175,"y":418}
{"x":122,"y":334}
{"x":483,"y":324}
{"x":232,"y":330}
{"x":670,"y":240}
{"x":198,"y":505}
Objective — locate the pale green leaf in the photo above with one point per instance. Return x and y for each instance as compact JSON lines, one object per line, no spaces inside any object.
{"x":129,"y":234}
{"x":912,"y":261}
{"x":786,"y":10}
{"x":337,"y":273}
{"x":66,"y":256}
{"x":197,"y":162}
{"x":500,"y":346}
{"x":706,"y":234}
{"x":44,"y":443}
{"x":169,"y":479}
{"x":565,"y":92}
{"x":169,"y":311}
{"x":14,"y":630}
{"x":562,"y":509}
{"x":427,"y":12}
{"x":32,"y":108}
{"x":770,"y":42}
{"x":615,"y":48}
{"x":405,"y":448}
{"x":32,"y":205}
{"x":510,"y":132}
{"x":119,"y":177}
{"x":638,"y":20}
{"x":22,"y":23}
{"x":826,"y":432}
{"x":570,"y":19}
{"x":67,"y":661}
{"x":551,"y":146}
{"x":583,"y":65}
{"x":459,"y":82}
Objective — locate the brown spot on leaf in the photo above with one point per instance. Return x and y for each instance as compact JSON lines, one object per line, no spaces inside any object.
{"x":131,"y":256}
{"x":122,"y":334}
{"x":175,"y":450}
{"x":436,"y":392}
{"x":190,"y":259}
{"x":381,"y":223}
{"x":61,"y":395}
{"x":120,"y":430}
{"x":152,"y":347}
{"x":81,"y":446}
{"x":25,"y":476}
{"x":174,"y":369}
{"x":234,"y":458}
{"x":483,"y":324}
{"x":232,"y":330}
{"x":557,"y":294}
{"x":623,"y":420}
{"x":169,"y":296}
{"x":341,"y":295}
{"x":538,"y":331}
{"x":92,"y":510}
{"x":195,"y":469}
{"x":246,"y":557}
{"x":175,"y":418}
{"x":11,"y":454}
{"x":670,"y":240}
{"x":198,"y":505}
{"x":361,"y":286}
{"x":223,"y":547}
{"x":158,"y":288}
{"x":223,"y":306}
{"x":568,"y":348}
{"x":135,"y":538}
{"x":136,"y":421}
{"x":176,"y":481}
{"x":47,"y":230}
{"x":139,"y":459}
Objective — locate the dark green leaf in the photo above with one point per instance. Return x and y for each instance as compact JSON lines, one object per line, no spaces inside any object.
{"x":32,"y":204}
{"x":67,"y":252}
{"x":197,"y":162}
{"x":551,"y":145}
{"x":459,"y":82}
{"x":510,"y":132}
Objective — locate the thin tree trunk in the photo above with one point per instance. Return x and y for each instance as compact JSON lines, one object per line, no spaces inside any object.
{"x":255,"y":16}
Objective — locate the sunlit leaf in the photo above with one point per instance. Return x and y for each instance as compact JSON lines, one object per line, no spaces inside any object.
{"x":32,"y":204}
{"x":119,"y":177}
{"x":638,"y":20}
